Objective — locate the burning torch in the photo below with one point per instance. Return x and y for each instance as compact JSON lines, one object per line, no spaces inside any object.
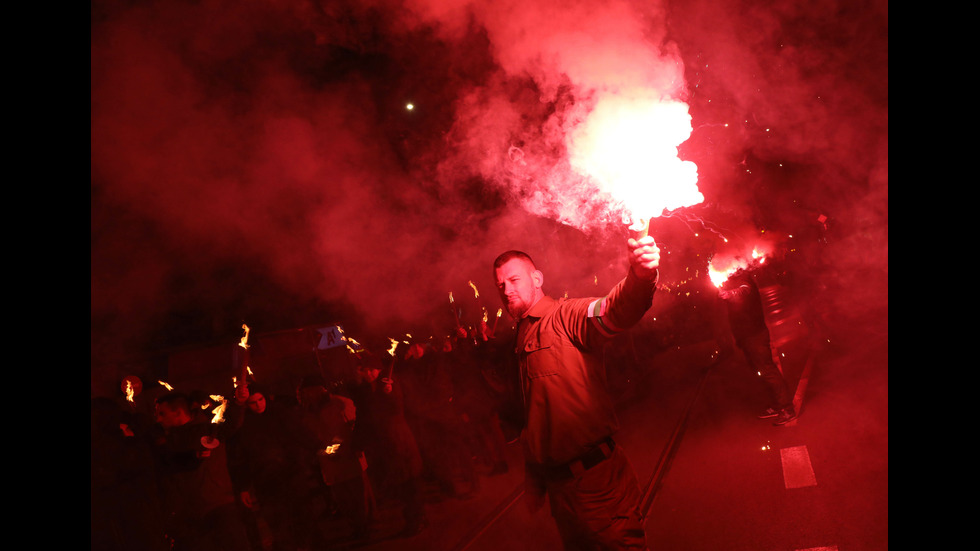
{"x":452,"y":304}
{"x":628,"y":146}
{"x":210,"y":440}
{"x":244,"y":344}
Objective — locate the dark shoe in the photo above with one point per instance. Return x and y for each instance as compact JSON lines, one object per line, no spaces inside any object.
{"x":785,"y":416}
{"x":769,"y":413}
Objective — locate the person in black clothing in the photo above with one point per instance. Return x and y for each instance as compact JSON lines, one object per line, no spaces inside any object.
{"x":383,"y":434}
{"x":126,"y":511}
{"x":191,"y":461}
{"x":269,"y":473}
{"x":328,"y":422}
{"x":748,"y":325}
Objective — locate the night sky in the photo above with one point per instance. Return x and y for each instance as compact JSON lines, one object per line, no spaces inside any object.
{"x":256,"y":161}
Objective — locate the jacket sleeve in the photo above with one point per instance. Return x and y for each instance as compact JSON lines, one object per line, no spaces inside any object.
{"x":589,"y":322}
{"x":623,"y":307}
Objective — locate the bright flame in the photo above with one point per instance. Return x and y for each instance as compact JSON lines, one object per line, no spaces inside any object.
{"x":720,"y":276}
{"x":244,"y":342}
{"x":332,"y":449}
{"x":499,"y":311}
{"x":721,"y":268}
{"x":476,"y":292}
{"x":394,"y":345}
{"x":628,"y":146}
{"x":486,"y":316}
{"x":166,"y":386}
{"x":219,"y":411}
{"x":129,"y":390}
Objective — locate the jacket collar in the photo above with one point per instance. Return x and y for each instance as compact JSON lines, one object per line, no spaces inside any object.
{"x":542,"y":307}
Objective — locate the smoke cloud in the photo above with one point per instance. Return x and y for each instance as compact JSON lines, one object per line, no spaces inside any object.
{"x":258,"y":161}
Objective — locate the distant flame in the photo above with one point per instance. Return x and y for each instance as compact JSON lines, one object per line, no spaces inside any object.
{"x":720,"y":269}
{"x":244,"y":342}
{"x":719,"y":277}
{"x":219,"y":411}
{"x":331,"y":449}
{"x":166,"y":386}
{"x":451,"y":297}
{"x":476,"y":292}
{"x":394,"y":344}
{"x":130,"y":393}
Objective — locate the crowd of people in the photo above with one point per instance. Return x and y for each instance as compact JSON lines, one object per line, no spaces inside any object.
{"x":403,"y":426}
{"x":263,"y":469}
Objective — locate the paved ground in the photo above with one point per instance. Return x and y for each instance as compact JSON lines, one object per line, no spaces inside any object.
{"x":716,"y":476}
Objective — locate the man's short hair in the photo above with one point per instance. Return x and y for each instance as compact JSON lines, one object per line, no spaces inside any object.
{"x":506,"y":257}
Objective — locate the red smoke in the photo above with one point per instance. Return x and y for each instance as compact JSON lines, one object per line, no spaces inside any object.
{"x":255,"y":159}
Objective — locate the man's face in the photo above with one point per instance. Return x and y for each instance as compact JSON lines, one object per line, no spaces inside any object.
{"x":519,"y":285}
{"x":169,"y":417}
{"x":367,"y":374}
{"x":256,"y":403}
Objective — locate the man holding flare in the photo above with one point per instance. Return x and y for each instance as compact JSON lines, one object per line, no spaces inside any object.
{"x":569,"y":417}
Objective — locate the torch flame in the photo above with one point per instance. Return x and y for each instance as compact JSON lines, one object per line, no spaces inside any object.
{"x":129,"y":390}
{"x":451,"y":297}
{"x":394,"y":344}
{"x":165,"y":385}
{"x":719,"y":277}
{"x":244,"y":342}
{"x":219,"y":411}
{"x":476,"y":292}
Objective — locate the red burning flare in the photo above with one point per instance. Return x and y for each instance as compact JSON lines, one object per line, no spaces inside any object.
{"x":628,"y":147}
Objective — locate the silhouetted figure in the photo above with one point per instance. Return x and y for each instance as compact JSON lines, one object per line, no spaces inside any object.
{"x":191,"y":461}
{"x":328,"y":421}
{"x":269,"y":473}
{"x":125,"y":508}
{"x":475,"y":401}
{"x":569,"y":415}
{"x":435,"y":419}
{"x":383,"y":434}
{"x":748,"y":325}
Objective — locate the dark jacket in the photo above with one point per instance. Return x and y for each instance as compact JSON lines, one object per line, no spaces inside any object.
{"x":567,"y":405}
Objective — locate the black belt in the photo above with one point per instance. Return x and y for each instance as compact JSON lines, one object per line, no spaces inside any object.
{"x":577,"y":466}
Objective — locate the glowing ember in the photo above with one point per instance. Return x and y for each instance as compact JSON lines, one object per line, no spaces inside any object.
{"x":628,"y":146}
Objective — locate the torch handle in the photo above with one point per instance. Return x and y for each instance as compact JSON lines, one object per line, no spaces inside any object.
{"x":642,"y":232}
